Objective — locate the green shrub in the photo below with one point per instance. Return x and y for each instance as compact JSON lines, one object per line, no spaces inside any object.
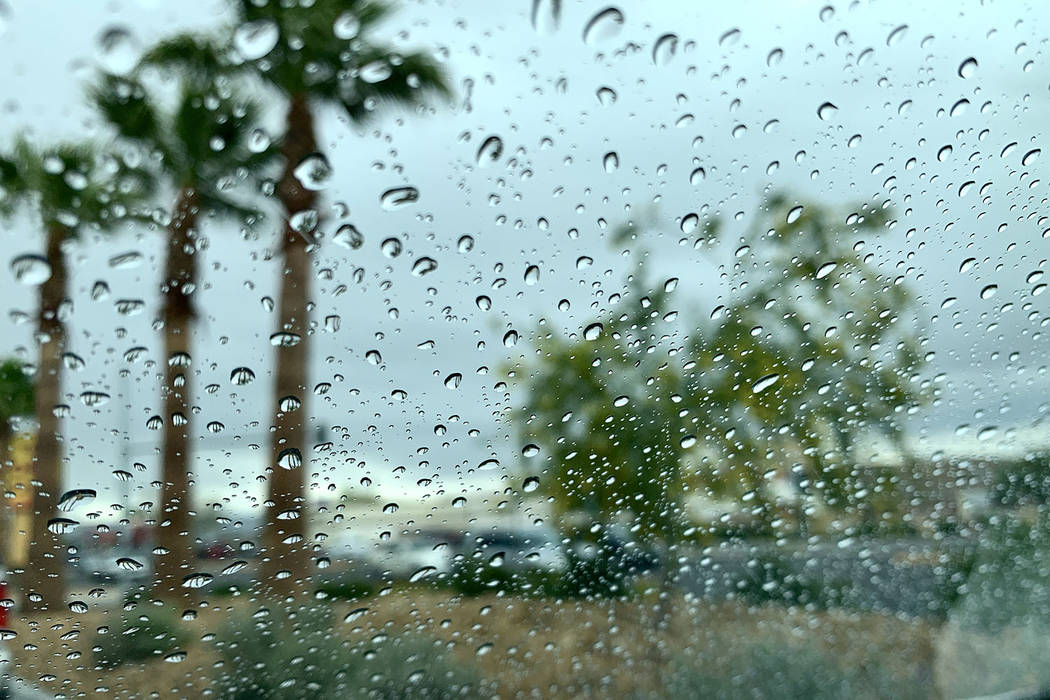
{"x":278,"y":656}
{"x":768,"y":668}
{"x":148,"y":635}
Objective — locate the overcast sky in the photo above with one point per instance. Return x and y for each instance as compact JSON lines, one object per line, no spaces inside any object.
{"x":740,"y":91}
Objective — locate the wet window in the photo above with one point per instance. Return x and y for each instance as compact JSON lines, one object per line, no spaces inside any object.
{"x":529,"y":349}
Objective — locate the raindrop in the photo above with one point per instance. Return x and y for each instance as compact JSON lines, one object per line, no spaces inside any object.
{"x":375,"y":72}
{"x":78,"y":606}
{"x":346,"y":26}
{"x":76,"y":497}
{"x":488,"y":464}
{"x":391,"y":247}
{"x":775,"y":57}
{"x":593,"y":331}
{"x":611,"y":161}
{"x":729,"y":38}
{"x":697,"y":176}
{"x":126,"y":261}
{"x":490,"y":151}
{"x":215,"y":427}
{"x":285,"y":339}
{"x":896,"y":35}
{"x":794,"y":214}
{"x":197,"y":580}
{"x":944,"y":153}
{"x":398,"y":197}
{"x":253,"y":40}
{"x":530,"y":484}
{"x":241,"y":376}
{"x":602,"y":26}
{"x":290,"y":458}
{"x":313,"y":172}
{"x":968,"y":67}
{"x":348,"y":236}
{"x":510,"y":339}
{"x":118,"y":50}
{"x":765,"y":382}
{"x":583,"y":262}
{"x":61,"y":526}
{"x":423,"y":266}
{"x":826,"y":111}
{"x":373,"y":357}
{"x":453,"y":380}
{"x":606,"y":96}
{"x":129,"y":564}
{"x":621,"y":401}
{"x":93,"y":398}
{"x":989,"y":291}
{"x":176,"y":657}
{"x":530,"y":450}
{"x":31,"y":269}
{"x":967,"y":264}
{"x":1030,"y":157}
{"x":826,"y":269}
{"x":532,"y":275}
{"x":465,"y":244}
{"x":664,"y":49}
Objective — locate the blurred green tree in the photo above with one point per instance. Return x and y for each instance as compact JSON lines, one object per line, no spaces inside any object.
{"x":71,"y":189}
{"x":805,"y":360}
{"x":201,"y":144}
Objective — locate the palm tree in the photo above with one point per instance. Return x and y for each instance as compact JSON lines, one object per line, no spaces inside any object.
{"x":16,"y":401}
{"x":321,"y":57}
{"x":74,"y":188}
{"x":199,"y":146}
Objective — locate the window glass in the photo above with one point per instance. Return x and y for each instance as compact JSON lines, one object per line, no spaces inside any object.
{"x":527,"y":349}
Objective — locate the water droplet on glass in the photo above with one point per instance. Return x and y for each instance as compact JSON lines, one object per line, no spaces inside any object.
{"x":391,"y":247}
{"x":664,"y":49}
{"x":729,"y":38}
{"x":376,"y":72}
{"x":78,"y":606}
{"x":313,"y":172}
{"x":453,"y":380}
{"x":530,"y":484}
{"x":423,"y":266}
{"x":611,"y":161}
{"x":510,"y":339}
{"x":826,"y":269}
{"x":621,"y":401}
{"x":31,"y":269}
{"x":76,"y":497}
{"x":826,"y":111}
{"x":896,"y":35}
{"x":593,"y":331}
{"x":794,"y":214}
{"x":285,"y":339}
{"x":398,"y":197}
{"x":290,"y":458}
{"x":118,"y":50}
{"x":94,"y":398}
{"x":61,"y":526}
{"x":126,"y":261}
{"x":346,"y":26}
{"x":253,"y":40}
{"x":603,"y":26}
{"x":197,"y":580}
{"x":968,"y":67}
{"x":989,"y":291}
{"x":532,"y":275}
{"x":490,"y":151}
{"x":697,"y":176}
{"x":1030,"y":157}
{"x":775,"y":57}
{"x":606,"y":96}
{"x":129,"y":564}
{"x":765,"y":382}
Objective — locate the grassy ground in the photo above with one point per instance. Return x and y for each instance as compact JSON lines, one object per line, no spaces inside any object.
{"x":523,"y":648}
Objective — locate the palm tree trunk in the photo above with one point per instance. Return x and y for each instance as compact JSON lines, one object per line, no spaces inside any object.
{"x":5,"y":508}
{"x":44,"y":577}
{"x":174,"y":536}
{"x":286,"y":560}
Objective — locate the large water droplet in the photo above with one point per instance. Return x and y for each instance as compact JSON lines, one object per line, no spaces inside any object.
{"x":76,"y":497}
{"x":826,"y":111}
{"x":253,"y":40}
{"x":398,"y":197}
{"x":664,"y":49}
{"x":423,"y":266}
{"x":765,"y":382}
{"x":490,"y":151}
{"x":603,"y":26}
{"x":31,"y":269}
{"x":968,"y":67}
{"x":313,"y":172}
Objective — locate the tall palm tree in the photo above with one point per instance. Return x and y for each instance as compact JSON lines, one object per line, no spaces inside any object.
{"x":16,"y":401}
{"x":313,"y":55}
{"x":199,"y":145}
{"x":74,"y":188}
